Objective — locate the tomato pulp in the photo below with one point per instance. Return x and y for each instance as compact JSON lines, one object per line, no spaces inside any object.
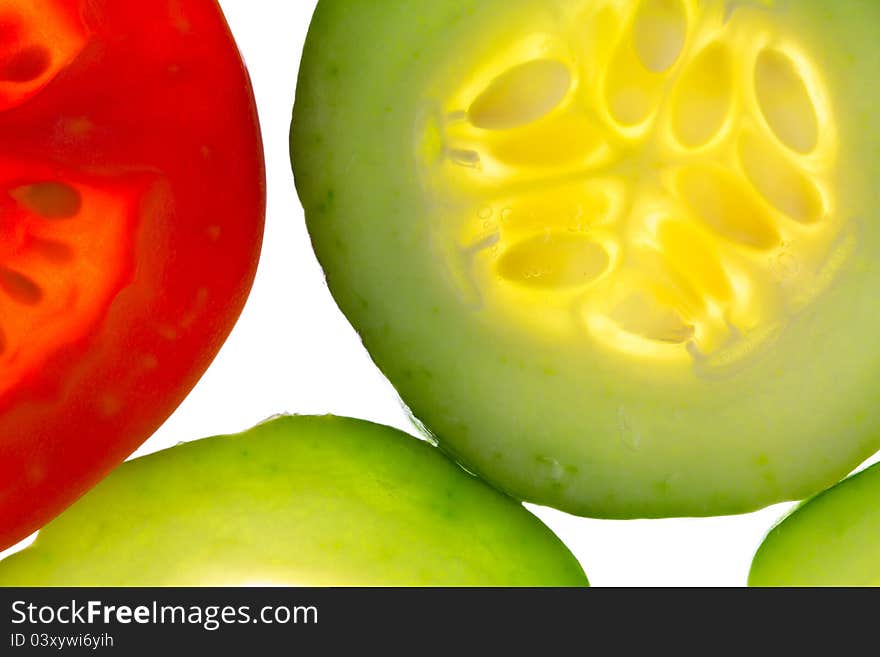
{"x":132,"y":200}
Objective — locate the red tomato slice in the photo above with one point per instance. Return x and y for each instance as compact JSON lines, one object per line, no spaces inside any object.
{"x":132,"y":198}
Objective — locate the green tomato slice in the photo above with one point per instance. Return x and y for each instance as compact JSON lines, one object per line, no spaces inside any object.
{"x":312,"y":501}
{"x":831,"y":540}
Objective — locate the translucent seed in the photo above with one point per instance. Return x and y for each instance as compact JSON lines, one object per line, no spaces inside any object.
{"x":51,"y":200}
{"x":521,"y":95}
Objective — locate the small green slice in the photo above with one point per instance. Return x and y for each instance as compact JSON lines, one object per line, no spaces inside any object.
{"x":312,"y":501}
{"x":831,"y":540}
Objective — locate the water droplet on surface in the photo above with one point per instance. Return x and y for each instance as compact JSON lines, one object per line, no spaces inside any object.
{"x":629,"y":436}
{"x":552,"y":468}
{"x":786,"y":265}
{"x":467,"y":159}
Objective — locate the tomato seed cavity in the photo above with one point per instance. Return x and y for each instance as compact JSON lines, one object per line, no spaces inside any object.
{"x":19,"y":287}
{"x":50,"y":200}
{"x":26,"y":65}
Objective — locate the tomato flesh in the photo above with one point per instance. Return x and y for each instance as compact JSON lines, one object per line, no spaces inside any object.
{"x":132,"y":200}
{"x":67,"y":252}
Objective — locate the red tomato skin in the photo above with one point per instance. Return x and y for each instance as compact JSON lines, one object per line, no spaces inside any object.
{"x":158,"y":98}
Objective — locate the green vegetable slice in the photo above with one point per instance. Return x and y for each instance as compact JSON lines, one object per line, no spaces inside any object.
{"x":295,"y":501}
{"x":831,"y":540}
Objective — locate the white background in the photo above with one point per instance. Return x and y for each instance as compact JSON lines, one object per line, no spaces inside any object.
{"x":293,"y":351}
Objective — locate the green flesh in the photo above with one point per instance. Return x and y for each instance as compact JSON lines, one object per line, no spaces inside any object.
{"x":311,"y":501}
{"x":832,"y":540}
{"x":558,"y":419}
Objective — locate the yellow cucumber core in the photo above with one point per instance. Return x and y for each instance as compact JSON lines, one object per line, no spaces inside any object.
{"x":657,"y":176}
